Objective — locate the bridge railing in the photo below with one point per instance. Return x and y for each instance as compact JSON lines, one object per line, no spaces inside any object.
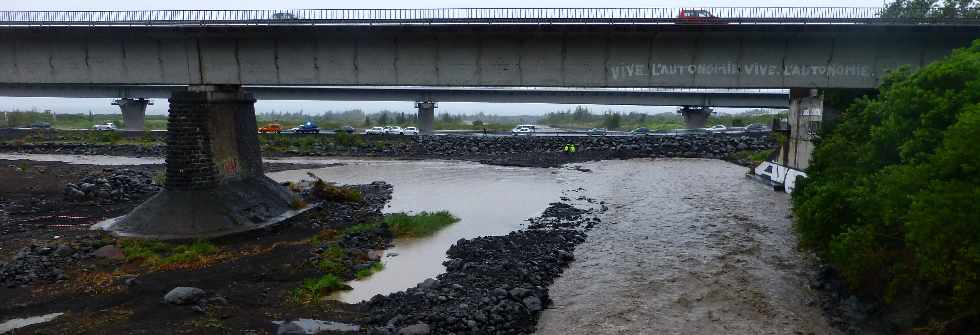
{"x":719,"y":15}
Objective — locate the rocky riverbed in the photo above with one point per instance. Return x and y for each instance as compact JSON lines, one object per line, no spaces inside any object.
{"x":492,"y":284}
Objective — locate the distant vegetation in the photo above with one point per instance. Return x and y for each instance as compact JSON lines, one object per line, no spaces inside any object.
{"x":932,"y":9}
{"x":582,"y":117}
{"x":16,"y":118}
{"x":893,"y":197}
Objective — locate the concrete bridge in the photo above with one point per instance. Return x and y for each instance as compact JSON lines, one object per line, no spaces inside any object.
{"x":217,"y":53}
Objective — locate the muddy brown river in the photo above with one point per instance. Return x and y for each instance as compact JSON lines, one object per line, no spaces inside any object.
{"x":691,"y":246}
{"x":688,"y":246}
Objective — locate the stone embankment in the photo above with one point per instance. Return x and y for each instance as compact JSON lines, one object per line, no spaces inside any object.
{"x":492,"y":284}
{"x":500,"y":150}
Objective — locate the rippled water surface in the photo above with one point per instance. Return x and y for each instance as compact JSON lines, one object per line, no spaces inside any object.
{"x":690,"y":246}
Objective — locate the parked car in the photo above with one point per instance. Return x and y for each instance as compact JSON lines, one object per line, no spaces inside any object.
{"x":532,"y":127}
{"x":41,"y":125}
{"x":411,"y":131}
{"x":394,"y":130}
{"x":522,"y":131}
{"x":105,"y":126}
{"x":756,"y":128}
{"x":348,"y":129}
{"x":698,"y":16}
{"x":640,"y":131}
{"x":596,"y":132}
{"x":307,"y":128}
{"x":271,"y":128}
{"x":717,"y":128}
{"x":375,"y":131}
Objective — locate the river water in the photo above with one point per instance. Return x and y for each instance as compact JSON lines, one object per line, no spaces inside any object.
{"x":688,"y":246}
{"x":489,"y":200}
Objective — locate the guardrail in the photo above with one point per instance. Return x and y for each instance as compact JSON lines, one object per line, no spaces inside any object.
{"x":702,"y":15}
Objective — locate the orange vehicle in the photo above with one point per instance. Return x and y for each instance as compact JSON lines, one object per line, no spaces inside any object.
{"x":271,"y":128}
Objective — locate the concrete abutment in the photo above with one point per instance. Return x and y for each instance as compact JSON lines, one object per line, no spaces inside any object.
{"x":215,"y":184}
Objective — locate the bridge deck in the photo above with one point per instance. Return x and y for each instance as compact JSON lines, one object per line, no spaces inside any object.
{"x":718,"y":16}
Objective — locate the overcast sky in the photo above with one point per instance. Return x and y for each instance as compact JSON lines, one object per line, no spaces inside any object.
{"x":160,"y":106}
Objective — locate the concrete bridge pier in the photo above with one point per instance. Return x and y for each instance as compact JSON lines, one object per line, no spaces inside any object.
{"x":214,"y":184}
{"x":427,"y":116}
{"x":695,"y":116}
{"x":133,"y":111}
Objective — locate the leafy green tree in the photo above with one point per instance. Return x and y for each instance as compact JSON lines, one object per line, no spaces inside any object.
{"x":932,"y":9}
{"x":613,"y":121}
{"x":893,"y":197}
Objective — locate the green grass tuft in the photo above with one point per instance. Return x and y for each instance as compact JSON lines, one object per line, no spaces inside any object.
{"x":418,"y":225}
{"x":332,"y":261}
{"x":314,"y":289}
{"x":156,"y":253}
{"x":367,"y":272}
{"x":360,"y":228}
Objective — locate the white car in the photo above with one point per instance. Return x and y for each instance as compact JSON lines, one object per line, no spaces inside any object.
{"x":522,"y":131}
{"x":411,"y":131}
{"x":395,"y":130}
{"x":717,"y":128}
{"x":106,"y":126}
{"x":375,"y":131}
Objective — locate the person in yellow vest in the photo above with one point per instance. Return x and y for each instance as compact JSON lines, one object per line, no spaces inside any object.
{"x":568,"y":149}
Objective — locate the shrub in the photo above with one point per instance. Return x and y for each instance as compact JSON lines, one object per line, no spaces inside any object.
{"x":418,"y":225}
{"x":894,"y":190}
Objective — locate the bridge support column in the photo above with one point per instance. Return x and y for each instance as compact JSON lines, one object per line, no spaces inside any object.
{"x":427,"y":116}
{"x":805,"y":122}
{"x":133,"y":111}
{"x":215,"y":184}
{"x":695,"y":116}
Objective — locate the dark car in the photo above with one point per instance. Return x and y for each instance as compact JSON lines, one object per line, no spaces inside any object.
{"x":348,"y":129}
{"x":41,"y":125}
{"x":307,"y":128}
{"x":698,"y":16}
{"x":283,"y":16}
{"x":640,"y":131}
{"x":756,"y":128}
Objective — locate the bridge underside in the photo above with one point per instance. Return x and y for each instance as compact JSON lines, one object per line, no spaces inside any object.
{"x":639,"y":97}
